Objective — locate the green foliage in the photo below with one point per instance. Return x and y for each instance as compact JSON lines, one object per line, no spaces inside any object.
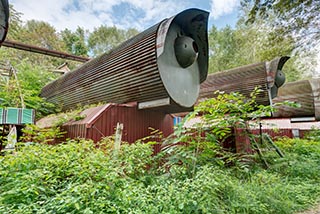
{"x":224,"y":47}
{"x":247,"y":44}
{"x":80,"y":177}
{"x":193,"y":146}
{"x":313,"y":134}
{"x":104,"y":38}
{"x":30,"y":79}
{"x":35,"y":134}
{"x":305,"y":13}
{"x":301,"y":32}
{"x":38,"y":33}
{"x":14,"y":23}
{"x":75,"y":41}
{"x":273,"y":33}
{"x":231,"y":110}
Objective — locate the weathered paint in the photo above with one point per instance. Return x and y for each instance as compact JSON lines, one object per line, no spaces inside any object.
{"x":303,"y":92}
{"x":140,"y":70}
{"x":245,"y":79}
{"x":101,"y":122}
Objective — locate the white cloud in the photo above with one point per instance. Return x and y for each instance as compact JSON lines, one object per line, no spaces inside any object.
{"x":92,"y":13}
{"x":223,"y":7}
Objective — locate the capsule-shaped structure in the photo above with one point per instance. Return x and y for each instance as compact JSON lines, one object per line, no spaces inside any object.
{"x":160,"y":67}
{"x":305,"y":93}
{"x":267,"y":76}
{"x":4,"y":19}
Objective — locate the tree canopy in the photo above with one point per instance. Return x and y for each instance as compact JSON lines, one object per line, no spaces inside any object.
{"x":104,"y":38}
{"x":266,"y":29}
{"x":299,"y":20}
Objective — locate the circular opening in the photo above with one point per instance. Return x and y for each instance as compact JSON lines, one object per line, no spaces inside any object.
{"x":186,"y":51}
{"x":195,"y":47}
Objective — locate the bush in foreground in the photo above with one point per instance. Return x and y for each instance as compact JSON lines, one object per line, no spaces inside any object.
{"x":78,"y":177}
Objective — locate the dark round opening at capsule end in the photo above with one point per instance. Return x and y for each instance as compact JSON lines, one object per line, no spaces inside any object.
{"x":186,"y":51}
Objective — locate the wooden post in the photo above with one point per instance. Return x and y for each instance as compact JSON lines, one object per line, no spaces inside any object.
{"x":19,"y":88}
{"x":117,"y":140}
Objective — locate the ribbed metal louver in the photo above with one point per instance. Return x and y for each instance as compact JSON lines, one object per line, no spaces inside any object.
{"x":245,"y":79}
{"x":306,"y":93}
{"x":143,"y":69}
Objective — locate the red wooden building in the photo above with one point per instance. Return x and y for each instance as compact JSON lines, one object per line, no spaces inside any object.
{"x":101,"y":121}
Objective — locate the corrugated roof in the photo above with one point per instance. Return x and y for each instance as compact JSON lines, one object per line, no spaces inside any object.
{"x":87,"y":116}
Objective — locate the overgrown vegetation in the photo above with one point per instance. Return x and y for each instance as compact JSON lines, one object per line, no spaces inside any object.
{"x":192,"y":173}
{"x":78,"y":177}
{"x":246,"y":43}
{"x":25,"y":88}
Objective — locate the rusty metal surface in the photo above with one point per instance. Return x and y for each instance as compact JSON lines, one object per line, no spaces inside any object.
{"x":275,"y":76}
{"x":304,"y":92}
{"x":244,"y":79}
{"x":110,"y":76}
{"x":128,"y":73}
{"x":45,"y":51}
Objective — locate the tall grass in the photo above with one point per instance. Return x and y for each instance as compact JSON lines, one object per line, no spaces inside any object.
{"x":78,"y":177}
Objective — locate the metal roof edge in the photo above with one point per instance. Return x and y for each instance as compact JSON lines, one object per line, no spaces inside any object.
{"x":95,"y":117}
{"x":106,"y":107}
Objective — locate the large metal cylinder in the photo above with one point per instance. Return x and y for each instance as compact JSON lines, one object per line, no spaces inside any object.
{"x":306,"y":93}
{"x":268,"y":76}
{"x":160,"y":67}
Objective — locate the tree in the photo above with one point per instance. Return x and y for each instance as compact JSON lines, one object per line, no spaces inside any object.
{"x":36,"y":33}
{"x":223,"y":46}
{"x":247,"y":44}
{"x":31,"y":79}
{"x":300,"y":15}
{"x":75,"y":41}
{"x":260,"y":42}
{"x":104,"y":38}
{"x":254,"y":42}
{"x":15,"y":24}
{"x":41,"y":34}
{"x":298,"y":20}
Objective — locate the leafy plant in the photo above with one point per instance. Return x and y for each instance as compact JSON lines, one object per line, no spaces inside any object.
{"x":33,"y":133}
{"x":216,"y":119}
{"x":82,"y":177}
{"x":313,"y":134}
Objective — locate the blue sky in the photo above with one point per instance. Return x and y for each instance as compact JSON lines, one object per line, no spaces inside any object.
{"x":139,"y":14}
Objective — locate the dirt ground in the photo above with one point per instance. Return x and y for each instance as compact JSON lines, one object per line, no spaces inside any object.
{"x":314,"y":210}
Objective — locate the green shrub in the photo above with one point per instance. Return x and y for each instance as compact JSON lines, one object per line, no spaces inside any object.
{"x":81,"y":177}
{"x":192,"y":174}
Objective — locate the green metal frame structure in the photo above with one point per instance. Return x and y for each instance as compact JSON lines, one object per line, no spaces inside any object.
{"x":17,"y":116}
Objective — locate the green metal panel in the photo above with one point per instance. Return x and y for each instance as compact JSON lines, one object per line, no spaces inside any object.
{"x":27,"y":116}
{"x":12,"y":116}
{"x":1,"y":116}
{"x":17,"y":116}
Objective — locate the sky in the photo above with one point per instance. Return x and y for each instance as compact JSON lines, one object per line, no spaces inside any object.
{"x":124,"y":14}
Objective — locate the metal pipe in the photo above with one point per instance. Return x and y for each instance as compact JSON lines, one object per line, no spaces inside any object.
{"x":45,"y":51}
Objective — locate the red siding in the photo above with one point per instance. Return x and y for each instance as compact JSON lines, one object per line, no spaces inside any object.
{"x":136,"y":124}
{"x":242,"y":141}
